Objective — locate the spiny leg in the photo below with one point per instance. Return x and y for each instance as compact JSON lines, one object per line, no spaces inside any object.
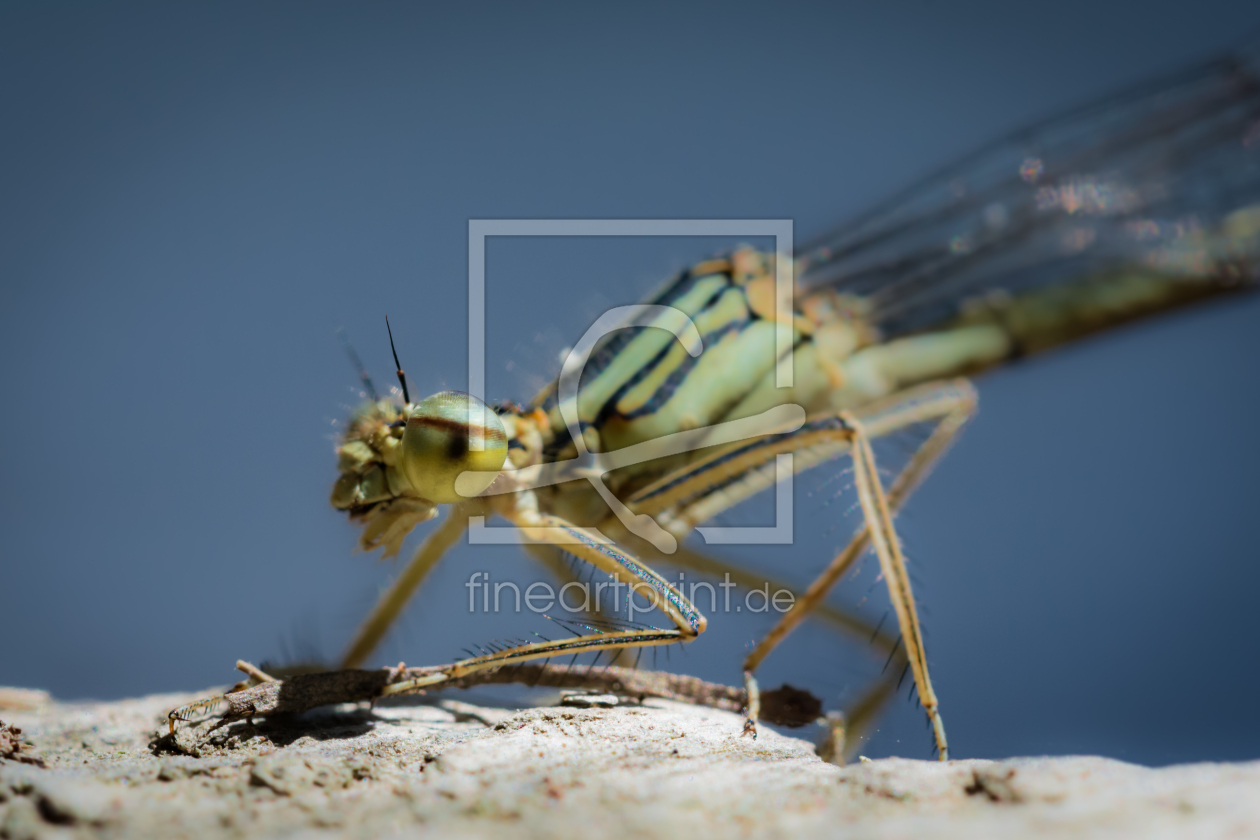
{"x":550,"y":556}
{"x":559,"y":563}
{"x":683,"y":494}
{"x":892,"y":563}
{"x":587,"y":546}
{"x":956,"y":414}
{"x":847,"y":730}
{"x":879,"y":530}
{"x":688,"y":558}
{"x":403,"y":588}
{"x":394,"y":599}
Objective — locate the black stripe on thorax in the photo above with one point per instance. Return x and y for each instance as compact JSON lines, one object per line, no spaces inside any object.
{"x":611,"y":347}
{"x":675,"y":379}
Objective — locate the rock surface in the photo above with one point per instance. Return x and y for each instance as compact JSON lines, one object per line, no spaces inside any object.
{"x":453,"y":769}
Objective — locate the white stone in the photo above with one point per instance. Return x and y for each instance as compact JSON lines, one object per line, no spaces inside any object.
{"x":664,"y":769}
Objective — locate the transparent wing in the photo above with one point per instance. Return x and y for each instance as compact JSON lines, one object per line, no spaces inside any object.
{"x":1165,"y":175}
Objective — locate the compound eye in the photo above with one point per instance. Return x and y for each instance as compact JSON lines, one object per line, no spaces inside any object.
{"x":448,"y":434}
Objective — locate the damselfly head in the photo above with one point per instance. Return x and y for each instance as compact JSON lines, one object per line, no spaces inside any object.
{"x":448,"y":435}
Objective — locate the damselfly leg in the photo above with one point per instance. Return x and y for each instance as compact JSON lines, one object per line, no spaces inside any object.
{"x":690,"y":493}
{"x":603,"y":555}
{"x":394,"y":599}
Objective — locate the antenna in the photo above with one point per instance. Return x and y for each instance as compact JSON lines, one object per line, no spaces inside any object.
{"x":402,"y":378}
{"x":358,"y":364}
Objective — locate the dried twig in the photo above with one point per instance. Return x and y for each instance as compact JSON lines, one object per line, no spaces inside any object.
{"x":786,"y":706}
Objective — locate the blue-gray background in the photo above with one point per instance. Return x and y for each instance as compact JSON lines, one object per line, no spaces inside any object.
{"x":194,"y":198}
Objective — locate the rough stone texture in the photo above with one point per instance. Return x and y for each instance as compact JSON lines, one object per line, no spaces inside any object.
{"x":454,"y":769}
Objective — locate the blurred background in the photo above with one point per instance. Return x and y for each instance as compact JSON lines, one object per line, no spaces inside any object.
{"x":196,"y":198}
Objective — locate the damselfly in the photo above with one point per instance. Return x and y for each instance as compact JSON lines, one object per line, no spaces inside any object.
{"x":1135,"y":204}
